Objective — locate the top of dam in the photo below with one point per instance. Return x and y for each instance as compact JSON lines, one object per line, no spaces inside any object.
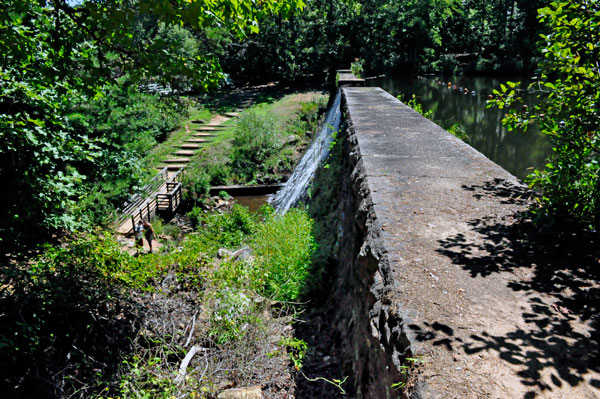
{"x":467,"y":281}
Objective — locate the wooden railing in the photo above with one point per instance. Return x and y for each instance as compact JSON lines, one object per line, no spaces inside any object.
{"x":137,"y":200}
{"x":169,"y":201}
{"x":161,"y":202}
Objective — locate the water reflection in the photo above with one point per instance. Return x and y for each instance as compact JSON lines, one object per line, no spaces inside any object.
{"x":253,"y":202}
{"x":465,"y":102}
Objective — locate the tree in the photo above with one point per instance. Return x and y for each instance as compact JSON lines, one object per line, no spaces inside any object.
{"x":54,"y":53}
{"x":568,"y":87}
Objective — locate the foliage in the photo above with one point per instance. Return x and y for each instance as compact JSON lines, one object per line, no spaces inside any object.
{"x":65,"y":315}
{"x":72,"y":315}
{"x":261,"y":148}
{"x":454,"y":129}
{"x":197,"y":186}
{"x":568,"y":87}
{"x":391,"y":36}
{"x":225,"y":230}
{"x":414,"y":104}
{"x":125,"y":125}
{"x":233,"y":311}
{"x":255,"y":142}
{"x":283,"y":246}
{"x":54,"y":54}
{"x":357,"y":68}
{"x":296,"y":349}
{"x":458,"y":131}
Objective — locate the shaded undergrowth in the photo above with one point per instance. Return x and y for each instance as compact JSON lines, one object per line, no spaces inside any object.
{"x":88,"y":320}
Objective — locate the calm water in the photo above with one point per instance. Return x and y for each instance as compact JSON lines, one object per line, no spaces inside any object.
{"x":516,"y":152}
{"x":253,"y":202}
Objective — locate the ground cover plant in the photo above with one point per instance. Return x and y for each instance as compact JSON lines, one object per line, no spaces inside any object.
{"x":87,"y":319}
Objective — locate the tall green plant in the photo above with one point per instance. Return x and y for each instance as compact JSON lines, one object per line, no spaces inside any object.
{"x":256,"y":140}
{"x":568,"y":87}
{"x":284,"y":245}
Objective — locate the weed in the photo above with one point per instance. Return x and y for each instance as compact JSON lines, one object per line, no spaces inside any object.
{"x":357,"y":67}
{"x":296,"y":350}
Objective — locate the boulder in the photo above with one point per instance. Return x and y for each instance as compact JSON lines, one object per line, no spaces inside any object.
{"x":243,"y":253}
{"x":223,"y":253}
{"x":254,"y":392}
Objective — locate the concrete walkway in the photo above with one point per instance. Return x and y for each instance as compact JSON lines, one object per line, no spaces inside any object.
{"x":466,"y":284}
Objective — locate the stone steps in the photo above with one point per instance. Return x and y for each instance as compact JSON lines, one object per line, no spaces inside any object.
{"x":189,"y":146}
{"x":185,"y":152}
{"x":177,"y":160}
{"x":196,"y":140}
{"x":209,"y":129}
{"x":173,"y":166}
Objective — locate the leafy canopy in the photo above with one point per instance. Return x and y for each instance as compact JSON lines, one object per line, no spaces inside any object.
{"x":54,"y":54}
{"x":568,"y":87}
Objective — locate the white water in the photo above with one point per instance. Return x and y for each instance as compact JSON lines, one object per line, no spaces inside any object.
{"x":297,"y":185}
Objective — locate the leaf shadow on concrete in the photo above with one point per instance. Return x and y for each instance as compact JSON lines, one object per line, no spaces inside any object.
{"x":562,"y":263}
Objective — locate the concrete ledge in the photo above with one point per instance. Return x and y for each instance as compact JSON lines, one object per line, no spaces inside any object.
{"x":433,"y":213}
{"x":347,"y":78}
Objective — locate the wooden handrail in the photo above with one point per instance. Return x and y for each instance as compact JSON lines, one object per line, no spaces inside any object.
{"x":148,"y":207}
{"x":155,"y":183}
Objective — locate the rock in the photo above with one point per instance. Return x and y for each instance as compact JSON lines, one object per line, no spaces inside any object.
{"x":225,"y":384}
{"x":242,"y":393}
{"x":291,"y":139}
{"x":224,"y":253}
{"x":242,"y":253}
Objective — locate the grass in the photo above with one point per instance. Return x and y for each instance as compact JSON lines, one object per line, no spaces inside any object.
{"x":228,"y":158}
{"x":177,"y":137}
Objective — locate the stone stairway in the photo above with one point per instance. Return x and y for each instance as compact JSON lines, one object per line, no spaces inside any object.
{"x":199,"y":133}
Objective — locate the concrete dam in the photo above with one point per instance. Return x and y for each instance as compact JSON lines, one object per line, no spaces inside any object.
{"x":433,"y":289}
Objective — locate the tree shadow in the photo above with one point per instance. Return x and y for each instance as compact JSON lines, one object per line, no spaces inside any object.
{"x":561,"y":261}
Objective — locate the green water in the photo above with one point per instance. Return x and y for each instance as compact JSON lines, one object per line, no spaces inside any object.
{"x":516,"y":152}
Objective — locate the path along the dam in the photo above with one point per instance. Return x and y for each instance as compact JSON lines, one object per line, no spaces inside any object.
{"x":482,"y":315}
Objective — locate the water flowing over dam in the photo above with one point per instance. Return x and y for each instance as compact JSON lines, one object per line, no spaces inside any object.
{"x":297,"y":185}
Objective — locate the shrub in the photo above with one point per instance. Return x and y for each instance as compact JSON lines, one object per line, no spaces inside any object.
{"x":357,"y":67}
{"x":66,"y":314}
{"x":197,"y":187}
{"x":283,"y":246}
{"x":232,"y":311}
{"x":568,"y":87}
{"x":226,"y":230}
{"x":255,"y":141}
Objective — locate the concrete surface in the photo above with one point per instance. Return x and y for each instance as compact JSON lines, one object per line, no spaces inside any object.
{"x":475,"y":322}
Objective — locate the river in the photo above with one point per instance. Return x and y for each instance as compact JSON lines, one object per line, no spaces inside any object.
{"x":516,"y":152}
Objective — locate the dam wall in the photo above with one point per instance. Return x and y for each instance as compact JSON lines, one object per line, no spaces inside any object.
{"x":426,"y":297}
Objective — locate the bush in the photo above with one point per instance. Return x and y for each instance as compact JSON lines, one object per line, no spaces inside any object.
{"x":567,"y":111}
{"x":283,"y":246}
{"x":255,"y":141}
{"x":233,"y":309}
{"x":66,"y":319}
{"x":197,"y":187}
{"x":357,"y":68}
{"x":226,"y":230}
